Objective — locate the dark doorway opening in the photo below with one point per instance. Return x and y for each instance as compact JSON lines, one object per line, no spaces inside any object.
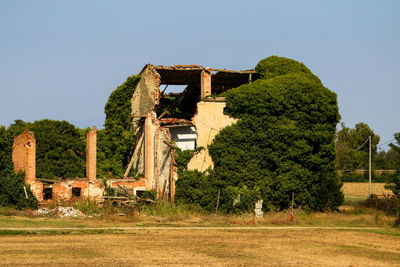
{"x":76,"y":192}
{"x":139,"y":193}
{"x":47,"y":193}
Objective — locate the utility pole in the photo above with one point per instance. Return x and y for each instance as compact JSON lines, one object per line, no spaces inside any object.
{"x":370,"y":167}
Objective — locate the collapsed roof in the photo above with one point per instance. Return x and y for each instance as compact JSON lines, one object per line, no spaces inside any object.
{"x":221,"y":79}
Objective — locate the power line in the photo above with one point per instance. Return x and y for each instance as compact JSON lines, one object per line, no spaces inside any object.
{"x":360,"y":146}
{"x":380,"y":145}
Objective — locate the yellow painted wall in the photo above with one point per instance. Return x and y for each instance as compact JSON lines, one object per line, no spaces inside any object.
{"x":209,"y":120}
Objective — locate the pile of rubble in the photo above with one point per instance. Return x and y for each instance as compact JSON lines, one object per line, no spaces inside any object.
{"x":60,"y":212}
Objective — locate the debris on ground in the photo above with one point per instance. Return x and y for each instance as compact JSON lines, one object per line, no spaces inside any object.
{"x":61,"y":212}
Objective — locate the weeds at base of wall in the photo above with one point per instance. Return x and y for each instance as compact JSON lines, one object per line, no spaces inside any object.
{"x":7,"y":211}
{"x":88,"y":207}
{"x":171,"y":210}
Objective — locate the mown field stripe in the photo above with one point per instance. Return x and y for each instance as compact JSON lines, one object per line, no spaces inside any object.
{"x":192,"y":228}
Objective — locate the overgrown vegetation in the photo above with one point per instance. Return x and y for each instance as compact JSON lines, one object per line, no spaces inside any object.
{"x":12,"y":192}
{"x":116,"y":142}
{"x":394,"y":183}
{"x":12,"y":184}
{"x":282,"y":143}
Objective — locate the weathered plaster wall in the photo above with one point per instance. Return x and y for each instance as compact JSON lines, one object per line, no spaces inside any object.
{"x":147,"y":93}
{"x":209,"y":120}
{"x":163,"y":160}
{"x":150,"y":128}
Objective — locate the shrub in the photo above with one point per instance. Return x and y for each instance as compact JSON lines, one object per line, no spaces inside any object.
{"x":87,"y":206}
{"x":197,"y":188}
{"x":149,"y":194}
{"x":12,"y":191}
{"x":390,"y":204}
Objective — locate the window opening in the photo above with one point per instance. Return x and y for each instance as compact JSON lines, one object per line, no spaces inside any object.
{"x":139,"y":193}
{"x":76,"y":192}
{"x":47,"y":193}
{"x":178,"y":101}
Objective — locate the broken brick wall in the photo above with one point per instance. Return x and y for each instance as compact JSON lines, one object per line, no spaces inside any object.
{"x":205,"y":80}
{"x":62,"y":190}
{"x":24,"y":158}
{"x":147,"y":93}
{"x":24,"y":155}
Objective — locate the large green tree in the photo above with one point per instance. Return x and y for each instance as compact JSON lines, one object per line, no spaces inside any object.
{"x":394,"y":184}
{"x":283,"y":141}
{"x":352,"y":147}
{"x":60,"y":149}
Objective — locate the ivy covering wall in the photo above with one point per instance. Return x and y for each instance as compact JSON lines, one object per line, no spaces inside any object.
{"x":116,"y":141}
{"x":283,"y":142}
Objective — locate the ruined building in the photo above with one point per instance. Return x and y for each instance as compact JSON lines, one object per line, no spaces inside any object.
{"x":66,"y":190}
{"x":187,"y":120}
{"x":162,"y":122}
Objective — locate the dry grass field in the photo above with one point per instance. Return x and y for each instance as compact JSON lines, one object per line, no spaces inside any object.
{"x":362,"y":189}
{"x":175,"y":243}
{"x":205,"y":247}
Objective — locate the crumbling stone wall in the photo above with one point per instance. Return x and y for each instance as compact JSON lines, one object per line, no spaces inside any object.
{"x":147,"y":93}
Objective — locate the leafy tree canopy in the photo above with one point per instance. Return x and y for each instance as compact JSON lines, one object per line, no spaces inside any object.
{"x":349,"y":153}
{"x":394,"y":184}
{"x":60,"y":147}
{"x":276,"y":66}
{"x":116,"y":141}
{"x":282,"y":143}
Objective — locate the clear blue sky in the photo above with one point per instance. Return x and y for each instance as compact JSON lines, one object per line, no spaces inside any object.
{"x":62,"y":59}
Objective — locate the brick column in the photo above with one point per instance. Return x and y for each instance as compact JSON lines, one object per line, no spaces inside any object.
{"x":91,"y":147}
{"x":205,"y":83}
{"x":24,"y":155}
{"x":148,"y":152}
